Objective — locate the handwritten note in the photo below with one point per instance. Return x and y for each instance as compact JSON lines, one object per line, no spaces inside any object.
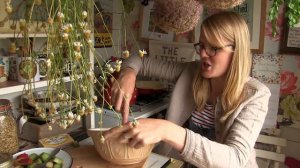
{"x":266,"y":68}
{"x":271,"y":118}
{"x":171,"y":51}
{"x":293,"y":39}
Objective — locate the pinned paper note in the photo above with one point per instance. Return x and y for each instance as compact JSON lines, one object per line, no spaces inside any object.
{"x":266,"y":68}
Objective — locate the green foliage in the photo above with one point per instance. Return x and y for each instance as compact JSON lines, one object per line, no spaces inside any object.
{"x":292,"y":13}
{"x":273,"y":15}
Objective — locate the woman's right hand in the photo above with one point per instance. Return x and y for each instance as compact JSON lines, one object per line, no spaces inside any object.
{"x":121,"y":92}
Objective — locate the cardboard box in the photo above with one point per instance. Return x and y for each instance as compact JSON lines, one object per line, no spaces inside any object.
{"x":35,"y":131}
{"x":60,"y":140}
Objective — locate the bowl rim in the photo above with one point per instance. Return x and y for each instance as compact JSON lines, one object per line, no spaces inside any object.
{"x":98,"y":129}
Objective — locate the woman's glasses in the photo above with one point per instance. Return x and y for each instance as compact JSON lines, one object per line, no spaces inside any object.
{"x":210,"y":50}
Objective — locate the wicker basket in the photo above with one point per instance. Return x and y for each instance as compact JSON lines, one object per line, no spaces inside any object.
{"x":221,"y":4}
{"x":177,"y":15}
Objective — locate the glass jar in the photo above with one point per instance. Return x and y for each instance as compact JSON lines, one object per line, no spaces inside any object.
{"x":6,"y":160}
{"x":8,"y":129}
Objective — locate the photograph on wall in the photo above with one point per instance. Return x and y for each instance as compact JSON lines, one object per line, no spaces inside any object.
{"x":148,"y":29}
{"x":9,"y":23}
{"x":252,"y":12}
{"x":103,"y":22}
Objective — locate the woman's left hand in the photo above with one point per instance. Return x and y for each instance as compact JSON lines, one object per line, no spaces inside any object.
{"x":147,"y":131}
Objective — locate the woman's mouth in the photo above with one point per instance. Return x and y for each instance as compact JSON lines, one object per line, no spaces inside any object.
{"x":206,"y":65}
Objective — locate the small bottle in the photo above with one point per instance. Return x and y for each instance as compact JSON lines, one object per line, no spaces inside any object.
{"x":9,"y":142}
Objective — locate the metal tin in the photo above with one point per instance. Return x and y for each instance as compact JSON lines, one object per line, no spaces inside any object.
{"x":6,"y":160}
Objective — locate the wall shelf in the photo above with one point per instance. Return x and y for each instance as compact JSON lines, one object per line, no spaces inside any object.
{"x":12,"y":35}
{"x":14,"y":86}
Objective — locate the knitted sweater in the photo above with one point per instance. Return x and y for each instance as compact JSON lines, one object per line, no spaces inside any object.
{"x":235,"y":139}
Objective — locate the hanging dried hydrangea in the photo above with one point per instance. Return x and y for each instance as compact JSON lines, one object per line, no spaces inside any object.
{"x":177,"y":15}
{"x":221,"y":4}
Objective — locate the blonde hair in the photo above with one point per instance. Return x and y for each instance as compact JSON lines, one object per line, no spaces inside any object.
{"x":219,"y":29}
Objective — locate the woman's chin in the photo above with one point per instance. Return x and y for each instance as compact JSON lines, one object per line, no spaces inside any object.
{"x":207,"y":75}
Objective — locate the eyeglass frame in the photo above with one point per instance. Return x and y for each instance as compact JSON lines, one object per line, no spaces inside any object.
{"x":198,"y":47}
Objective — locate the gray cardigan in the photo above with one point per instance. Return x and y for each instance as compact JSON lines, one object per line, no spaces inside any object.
{"x":235,"y":139}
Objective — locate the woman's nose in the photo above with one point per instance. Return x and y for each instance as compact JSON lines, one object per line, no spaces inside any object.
{"x":203,"y":54}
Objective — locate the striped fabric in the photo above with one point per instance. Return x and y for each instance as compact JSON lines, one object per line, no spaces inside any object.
{"x":205,"y":118}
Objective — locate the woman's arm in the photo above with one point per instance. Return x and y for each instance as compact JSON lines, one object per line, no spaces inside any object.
{"x":149,"y":131}
{"x":123,"y":88}
{"x":238,"y":144}
{"x":155,"y":68}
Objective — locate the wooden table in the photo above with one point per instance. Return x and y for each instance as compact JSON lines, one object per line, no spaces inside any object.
{"x":87,"y":157}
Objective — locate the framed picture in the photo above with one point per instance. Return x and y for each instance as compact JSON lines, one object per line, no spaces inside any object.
{"x":148,"y":29}
{"x":103,"y":23}
{"x":254,"y":13}
{"x":20,"y":11}
{"x":291,"y":40}
{"x":186,"y":37}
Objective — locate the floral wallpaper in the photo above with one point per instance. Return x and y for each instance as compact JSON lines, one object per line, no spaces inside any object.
{"x":289,"y":105}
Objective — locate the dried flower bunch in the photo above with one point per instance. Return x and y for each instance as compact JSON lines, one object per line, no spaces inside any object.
{"x":177,"y":15}
{"x":69,"y":29}
{"x":221,"y":4}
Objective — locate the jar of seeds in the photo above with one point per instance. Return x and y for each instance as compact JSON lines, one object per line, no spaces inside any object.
{"x":8,"y":129}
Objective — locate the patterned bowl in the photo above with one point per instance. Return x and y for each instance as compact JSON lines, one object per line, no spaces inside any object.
{"x":119,"y":153}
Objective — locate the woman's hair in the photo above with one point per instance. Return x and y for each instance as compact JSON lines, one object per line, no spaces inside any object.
{"x":222,"y":29}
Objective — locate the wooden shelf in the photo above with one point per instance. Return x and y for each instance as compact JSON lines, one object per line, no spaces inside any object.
{"x":14,"y":86}
{"x":11,"y":35}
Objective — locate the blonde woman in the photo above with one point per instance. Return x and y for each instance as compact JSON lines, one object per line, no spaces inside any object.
{"x":224,"y":106}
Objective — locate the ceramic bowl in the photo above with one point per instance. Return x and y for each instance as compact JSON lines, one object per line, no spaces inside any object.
{"x":118,"y":153}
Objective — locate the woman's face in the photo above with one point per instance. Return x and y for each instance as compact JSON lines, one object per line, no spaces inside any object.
{"x":214,"y":61}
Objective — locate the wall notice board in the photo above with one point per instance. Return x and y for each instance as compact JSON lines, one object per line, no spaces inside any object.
{"x":291,"y":40}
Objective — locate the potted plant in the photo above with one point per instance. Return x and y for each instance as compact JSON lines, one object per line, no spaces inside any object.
{"x":70,"y":52}
{"x":292,"y":13}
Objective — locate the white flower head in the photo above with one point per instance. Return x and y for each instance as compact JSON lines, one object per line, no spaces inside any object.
{"x":85,"y":101}
{"x":87,"y":34}
{"x":70,"y":115}
{"x":142,"y":53}
{"x":8,"y":8}
{"x":99,"y":110}
{"x":119,"y":62}
{"x":111,"y":70}
{"x":126,"y":54}
{"x":77,"y":46}
{"x":102,"y":139}
{"x":49,"y":127}
{"x":65,"y":36}
{"x":78,"y":118}
{"x":78,"y":55}
{"x":60,"y":16}
{"x":48,"y":62}
{"x":22,"y":22}
{"x":84,"y":14}
{"x":118,"y":68}
{"x":95,"y":98}
{"x":83,"y":25}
